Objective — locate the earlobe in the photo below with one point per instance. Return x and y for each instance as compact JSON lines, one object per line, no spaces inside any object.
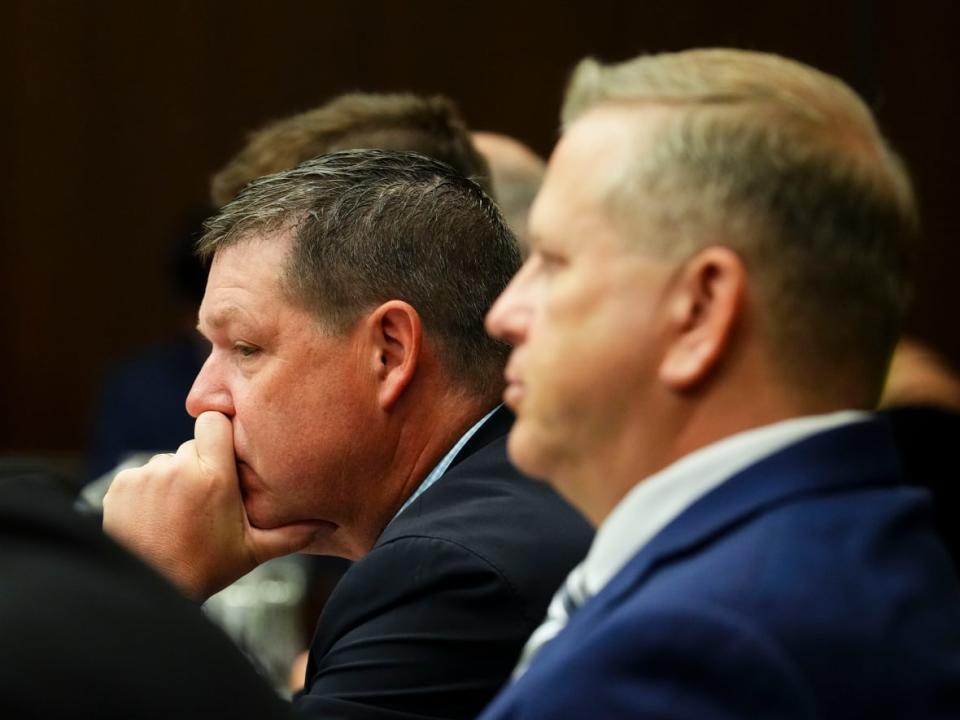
{"x":396,"y":333}
{"x":702,"y":314}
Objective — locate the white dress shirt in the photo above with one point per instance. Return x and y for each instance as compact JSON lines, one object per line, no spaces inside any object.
{"x":658,"y":500}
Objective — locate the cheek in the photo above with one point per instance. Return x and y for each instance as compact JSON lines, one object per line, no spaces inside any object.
{"x":584,"y":364}
{"x":525,"y":449}
{"x":258,"y":428}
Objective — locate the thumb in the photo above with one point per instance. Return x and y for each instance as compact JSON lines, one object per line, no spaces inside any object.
{"x":213,"y":433}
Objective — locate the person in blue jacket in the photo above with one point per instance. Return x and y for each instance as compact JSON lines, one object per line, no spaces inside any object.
{"x":717,"y":274}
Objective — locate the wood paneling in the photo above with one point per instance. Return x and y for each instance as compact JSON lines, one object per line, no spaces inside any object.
{"x":116,"y":113}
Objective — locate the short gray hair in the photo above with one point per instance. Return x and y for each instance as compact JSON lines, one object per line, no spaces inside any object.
{"x":371,"y":226}
{"x":785,"y":165}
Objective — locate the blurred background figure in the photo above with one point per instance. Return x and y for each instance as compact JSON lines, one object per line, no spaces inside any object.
{"x":91,"y":633}
{"x":140,"y":408}
{"x":271,"y":613}
{"x":921,"y":375}
{"x":922,"y":397}
{"x":431,"y":126}
{"x":516,"y":172}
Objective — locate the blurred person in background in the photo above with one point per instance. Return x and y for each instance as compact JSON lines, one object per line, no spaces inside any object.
{"x":140,"y":407}
{"x":516,"y":173}
{"x":922,"y":399}
{"x":90,"y":632}
{"x":919,"y":375}
{"x":430,"y":125}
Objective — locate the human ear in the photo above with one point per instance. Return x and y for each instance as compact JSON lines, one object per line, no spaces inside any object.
{"x":703,"y":308}
{"x":395,"y":334}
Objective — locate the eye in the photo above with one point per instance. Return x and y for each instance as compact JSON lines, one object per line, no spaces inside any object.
{"x":244,"y":350}
{"x":550,"y":262}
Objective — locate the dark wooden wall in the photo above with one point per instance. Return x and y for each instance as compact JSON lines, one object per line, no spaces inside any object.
{"x":115,"y":114}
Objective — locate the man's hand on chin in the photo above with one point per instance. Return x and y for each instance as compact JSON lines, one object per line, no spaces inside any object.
{"x":184,"y":514}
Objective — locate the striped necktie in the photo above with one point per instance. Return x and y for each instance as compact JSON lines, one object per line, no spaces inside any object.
{"x":571,"y":595}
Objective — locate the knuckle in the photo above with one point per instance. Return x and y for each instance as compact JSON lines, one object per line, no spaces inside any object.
{"x":121,"y":480}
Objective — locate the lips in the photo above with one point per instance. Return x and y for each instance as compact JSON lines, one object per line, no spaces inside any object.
{"x":513,"y":393}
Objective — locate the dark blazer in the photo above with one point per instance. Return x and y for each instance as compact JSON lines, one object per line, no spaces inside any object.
{"x":430,"y":623}
{"x":928,"y":438}
{"x":810,"y":585}
{"x":88,"y":631}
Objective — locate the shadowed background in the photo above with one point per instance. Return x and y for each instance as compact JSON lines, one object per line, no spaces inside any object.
{"x":116,"y":114}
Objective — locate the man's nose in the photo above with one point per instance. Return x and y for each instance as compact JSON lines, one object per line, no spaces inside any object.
{"x":509,"y":316}
{"x":209,"y":392}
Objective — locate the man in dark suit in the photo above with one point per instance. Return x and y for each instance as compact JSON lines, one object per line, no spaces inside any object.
{"x":90,"y":632}
{"x":431,"y":620}
{"x":349,"y":407}
{"x":717,"y":274}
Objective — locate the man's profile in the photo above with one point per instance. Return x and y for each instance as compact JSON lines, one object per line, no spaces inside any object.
{"x":349,"y":406}
{"x":718,"y":270}
{"x":428,"y":124}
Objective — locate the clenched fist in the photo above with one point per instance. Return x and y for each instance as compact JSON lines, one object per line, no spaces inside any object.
{"x":183,"y":514}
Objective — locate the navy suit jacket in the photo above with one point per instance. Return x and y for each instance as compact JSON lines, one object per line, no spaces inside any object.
{"x":430,"y":623}
{"x":810,"y":585}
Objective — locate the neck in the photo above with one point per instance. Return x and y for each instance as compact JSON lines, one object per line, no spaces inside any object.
{"x":438,"y":425}
{"x":685,"y":423}
{"x":420,"y":429}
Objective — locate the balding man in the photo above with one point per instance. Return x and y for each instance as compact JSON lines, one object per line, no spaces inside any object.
{"x":516,"y":173}
{"x":717,"y":275}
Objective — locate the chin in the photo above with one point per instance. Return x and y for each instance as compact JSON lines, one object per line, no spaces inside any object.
{"x":526,"y":453}
{"x":259,"y":514}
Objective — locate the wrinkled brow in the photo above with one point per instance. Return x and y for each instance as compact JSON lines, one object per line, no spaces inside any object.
{"x":219,"y":319}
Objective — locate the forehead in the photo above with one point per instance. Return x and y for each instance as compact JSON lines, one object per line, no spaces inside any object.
{"x":592,"y":159}
{"x":257,"y":255}
{"x":244,"y":274}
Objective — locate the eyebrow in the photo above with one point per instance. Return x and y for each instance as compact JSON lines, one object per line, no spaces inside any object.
{"x":219,"y":319}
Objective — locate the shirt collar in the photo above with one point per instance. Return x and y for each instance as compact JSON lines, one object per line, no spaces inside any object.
{"x":659,"y":499}
{"x":441,"y":467}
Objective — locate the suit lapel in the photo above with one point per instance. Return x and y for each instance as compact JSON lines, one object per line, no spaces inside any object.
{"x":859,"y":454}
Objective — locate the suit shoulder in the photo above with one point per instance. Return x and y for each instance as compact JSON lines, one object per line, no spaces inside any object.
{"x":681,"y":661}
{"x":486,"y":491}
{"x":516,"y":524}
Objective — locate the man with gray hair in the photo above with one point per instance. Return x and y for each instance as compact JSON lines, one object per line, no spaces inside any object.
{"x":349,"y":407}
{"x":718,"y":269}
